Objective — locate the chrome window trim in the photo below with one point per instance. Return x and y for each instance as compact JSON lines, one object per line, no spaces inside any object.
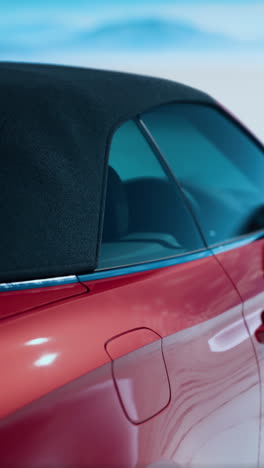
{"x":237,"y":242}
{"x":137,"y":268}
{"x":171,"y":261}
{"x":146,"y":266}
{"x":40,"y":283}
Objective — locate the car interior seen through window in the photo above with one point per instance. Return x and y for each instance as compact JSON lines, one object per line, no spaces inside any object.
{"x":218,"y":165}
{"x":145,"y":214}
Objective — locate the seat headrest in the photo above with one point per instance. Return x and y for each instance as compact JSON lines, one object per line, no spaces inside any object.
{"x":116,"y":216}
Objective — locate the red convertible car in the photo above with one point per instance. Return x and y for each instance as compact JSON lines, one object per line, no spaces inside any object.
{"x":131,"y":274}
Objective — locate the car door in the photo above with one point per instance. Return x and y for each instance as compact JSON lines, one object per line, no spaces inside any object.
{"x":182,"y":294}
{"x":220,"y":167}
{"x":153,"y":363}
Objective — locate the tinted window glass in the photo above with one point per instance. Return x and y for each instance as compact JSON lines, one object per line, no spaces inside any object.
{"x":219,"y":167}
{"x":145,"y":216}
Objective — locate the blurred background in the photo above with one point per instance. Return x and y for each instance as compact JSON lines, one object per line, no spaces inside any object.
{"x":216,"y":45}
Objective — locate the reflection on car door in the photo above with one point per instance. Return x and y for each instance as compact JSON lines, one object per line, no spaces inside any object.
{"x":212,"y":418}
{"x":245,"y":267}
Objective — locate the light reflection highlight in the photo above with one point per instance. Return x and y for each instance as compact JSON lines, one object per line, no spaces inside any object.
{"x":36,"y":341}
{"x":235,"y":333}
{"x":46,"y":359}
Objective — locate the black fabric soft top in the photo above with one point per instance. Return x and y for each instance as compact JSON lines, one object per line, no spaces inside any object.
{"x":56,"y":125}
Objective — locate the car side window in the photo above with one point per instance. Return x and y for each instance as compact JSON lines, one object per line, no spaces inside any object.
{"x":219,"y":167}
{"x":145,"y":217}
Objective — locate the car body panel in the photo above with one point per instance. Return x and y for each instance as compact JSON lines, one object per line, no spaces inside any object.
{"x":245,"y":266}
{"x":16,"y":299}
{"x":194,"y":309}
{"x":83,"y":423}
{"x":212,"y":416}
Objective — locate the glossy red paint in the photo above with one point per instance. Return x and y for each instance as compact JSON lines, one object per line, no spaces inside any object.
{"x":14,"y":302}
{"x":87,"y":322}
{"x":78,"y":424}
{"x":245,"y":266}
{"x":129,"y":341}
{"x":212,"y":417}
{"x":139,"y":374}
{"x":209,"y":357}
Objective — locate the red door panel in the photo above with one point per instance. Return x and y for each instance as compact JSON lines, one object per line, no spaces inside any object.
{"x":245,"y":266}
{"x":213,"y":375}
{"x":15,"y":302}
{"x":80,"y":425}
{"x":130,"y":340}
{"x":214,"y":410}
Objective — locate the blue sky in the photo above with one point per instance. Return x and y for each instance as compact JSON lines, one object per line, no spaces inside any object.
{"x":215,"y":45}
{"x":78,"y":31}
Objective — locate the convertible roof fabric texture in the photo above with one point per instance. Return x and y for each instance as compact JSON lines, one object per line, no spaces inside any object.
{"x":56,"y":124}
